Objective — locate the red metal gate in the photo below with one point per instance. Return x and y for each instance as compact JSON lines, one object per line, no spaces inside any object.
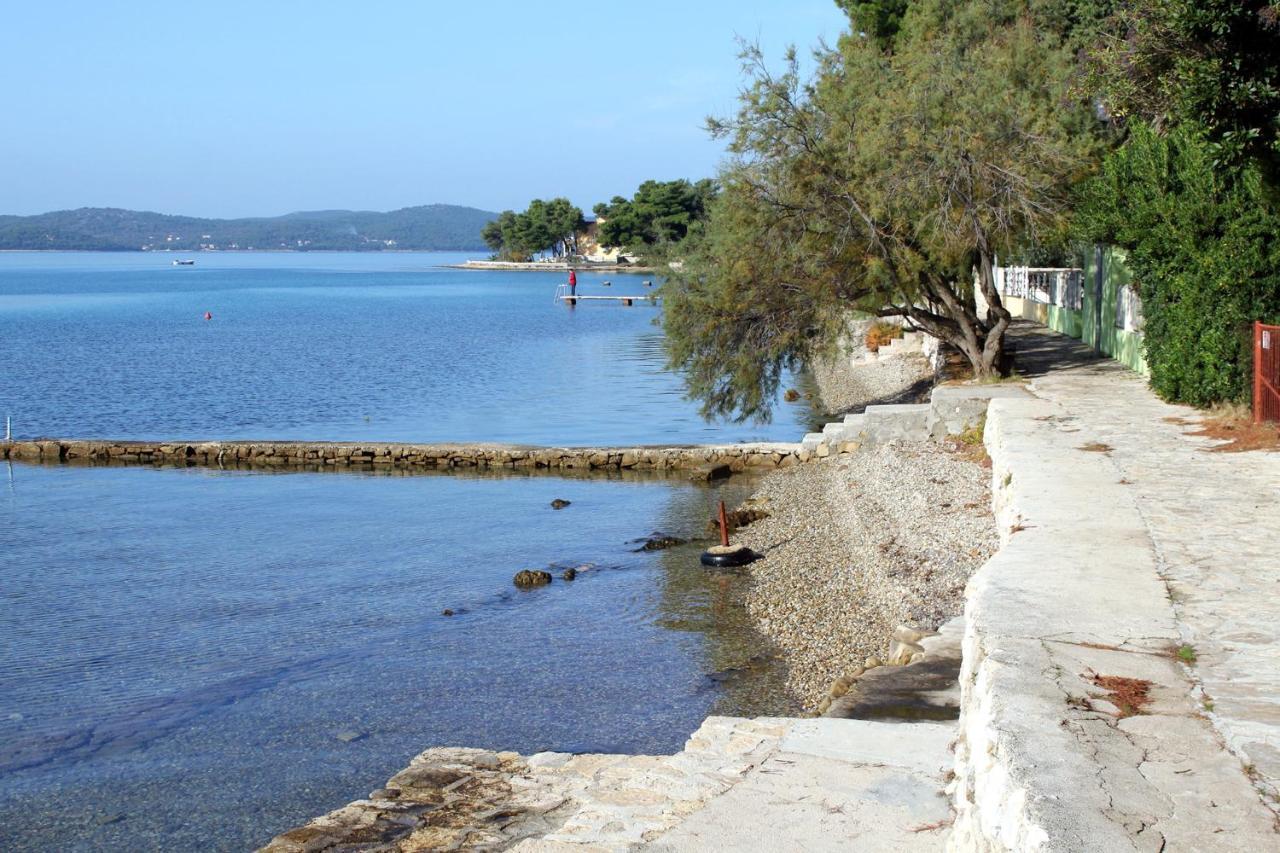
{"x":1266,"y":373}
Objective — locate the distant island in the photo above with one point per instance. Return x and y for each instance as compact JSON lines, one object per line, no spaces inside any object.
{"x":440,"y":227}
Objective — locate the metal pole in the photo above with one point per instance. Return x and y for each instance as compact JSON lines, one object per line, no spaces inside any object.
{"x":1257,"y":371}
{"x":8,"y":431}
{"x":1097,"y":299}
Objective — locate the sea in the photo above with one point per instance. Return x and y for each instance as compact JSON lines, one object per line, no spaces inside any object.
{"x":202,"y":658}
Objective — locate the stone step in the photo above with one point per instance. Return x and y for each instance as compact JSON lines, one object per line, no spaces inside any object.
{"x":956,"y":408}
{"x":911,"y":342}
{"x":901,"y":422}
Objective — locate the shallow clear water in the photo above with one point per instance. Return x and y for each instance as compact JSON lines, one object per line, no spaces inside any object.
{"x":180,"y":649}
{"x":336,"y":346}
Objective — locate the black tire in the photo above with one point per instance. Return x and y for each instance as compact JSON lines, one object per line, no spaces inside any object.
{"x":729,"y":561}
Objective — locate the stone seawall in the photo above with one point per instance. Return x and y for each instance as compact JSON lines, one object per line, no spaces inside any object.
{"x":709,"y":460}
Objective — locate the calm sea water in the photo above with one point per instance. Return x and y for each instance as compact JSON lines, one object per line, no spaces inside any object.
{"x":198,"y":659}
{"x":335,"y":346}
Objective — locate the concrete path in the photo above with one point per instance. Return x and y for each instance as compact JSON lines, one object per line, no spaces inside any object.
{"x":1214,"y":519}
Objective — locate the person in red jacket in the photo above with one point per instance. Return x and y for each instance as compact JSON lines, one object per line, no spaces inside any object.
{"x":573,"y":283}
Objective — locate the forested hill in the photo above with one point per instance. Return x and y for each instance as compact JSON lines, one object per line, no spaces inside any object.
{"x":432,"y":226}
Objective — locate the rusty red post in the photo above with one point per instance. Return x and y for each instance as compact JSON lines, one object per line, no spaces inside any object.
{"x":724,"y":527}
{"x":1257,"y":371}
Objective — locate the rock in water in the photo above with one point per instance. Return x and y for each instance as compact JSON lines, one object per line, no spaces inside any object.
{"x":559,"y":503}
{"x":349,"y":736}
{"x":531,"y":577}
{"x":659,"y":542}
{"x":568,"y":574}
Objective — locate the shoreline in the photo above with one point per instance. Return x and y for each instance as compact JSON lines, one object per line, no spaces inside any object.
{"x":554,"y":266}
{"x":236,"y":251}
{"x":859,"y":544}
{"x":829,"y":591}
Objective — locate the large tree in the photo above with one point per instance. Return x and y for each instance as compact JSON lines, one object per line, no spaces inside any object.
{"x":544,"y":226}
{"x":1212,"y":64}
{"x":659,"y":213}
{"x":887,"y":183}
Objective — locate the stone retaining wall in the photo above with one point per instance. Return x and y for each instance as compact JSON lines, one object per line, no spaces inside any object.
{"x":710,"y":460}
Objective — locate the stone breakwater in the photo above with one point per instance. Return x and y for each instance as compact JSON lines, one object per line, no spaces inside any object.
{"x":707,"y":461}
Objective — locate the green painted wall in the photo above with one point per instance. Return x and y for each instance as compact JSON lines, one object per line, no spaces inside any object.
{"x":1124,"y":347}
{"x":1065,"y":320}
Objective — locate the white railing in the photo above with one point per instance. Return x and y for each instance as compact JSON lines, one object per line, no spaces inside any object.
{"x":1061,"y":286}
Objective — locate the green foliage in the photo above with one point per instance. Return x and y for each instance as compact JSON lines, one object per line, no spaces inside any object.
{"x":660,"y":212}
{"x":880,"y":185}
{"x":1207,"y":63}
{"x":544,"y":226}
{"x":1202,"y":247}
{"x":878,"y":20}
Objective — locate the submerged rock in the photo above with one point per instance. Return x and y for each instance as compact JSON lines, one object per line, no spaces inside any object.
{"x":531,"y":577}
{"x":350,"y":736}
{"x":568,"y":574}
{"x":659,"y":542}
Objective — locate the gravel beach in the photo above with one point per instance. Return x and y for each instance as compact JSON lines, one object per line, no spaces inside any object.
{"x":856,"y":545}
{"x":846,"y":382}
{"x":845,"y":387}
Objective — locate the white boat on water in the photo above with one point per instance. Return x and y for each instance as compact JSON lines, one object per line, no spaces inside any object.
{"x":185,"y":262}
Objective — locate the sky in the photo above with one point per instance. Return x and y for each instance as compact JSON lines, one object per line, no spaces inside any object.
{"x":260,"y":108}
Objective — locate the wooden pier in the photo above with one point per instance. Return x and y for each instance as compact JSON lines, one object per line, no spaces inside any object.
{"x":625,"y":300}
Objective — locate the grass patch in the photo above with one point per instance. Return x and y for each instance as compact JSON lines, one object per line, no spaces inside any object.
{"x":969,"y":443}
{"x":973,"y":435}
{"x":1096,"y":447}
{"x":1186,"y":654}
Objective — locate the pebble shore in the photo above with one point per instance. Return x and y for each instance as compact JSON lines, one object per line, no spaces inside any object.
{"x":858,"y":544}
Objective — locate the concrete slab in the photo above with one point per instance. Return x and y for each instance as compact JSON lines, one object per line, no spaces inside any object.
{"x":833,"y":785}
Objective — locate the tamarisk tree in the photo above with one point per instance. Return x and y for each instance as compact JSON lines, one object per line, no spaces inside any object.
{"x":887,"y":183}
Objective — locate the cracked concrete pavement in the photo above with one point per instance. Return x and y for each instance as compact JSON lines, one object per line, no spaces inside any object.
{"x":1123,"y":540}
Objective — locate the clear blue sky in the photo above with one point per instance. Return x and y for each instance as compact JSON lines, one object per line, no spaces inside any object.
{"x":260,"y":108}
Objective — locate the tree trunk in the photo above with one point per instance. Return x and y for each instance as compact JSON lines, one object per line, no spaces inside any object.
{"x":993,"y":347}
{"x":952,"y":319}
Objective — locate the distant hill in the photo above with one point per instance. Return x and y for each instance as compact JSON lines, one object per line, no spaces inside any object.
{"x":432,"y":226}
